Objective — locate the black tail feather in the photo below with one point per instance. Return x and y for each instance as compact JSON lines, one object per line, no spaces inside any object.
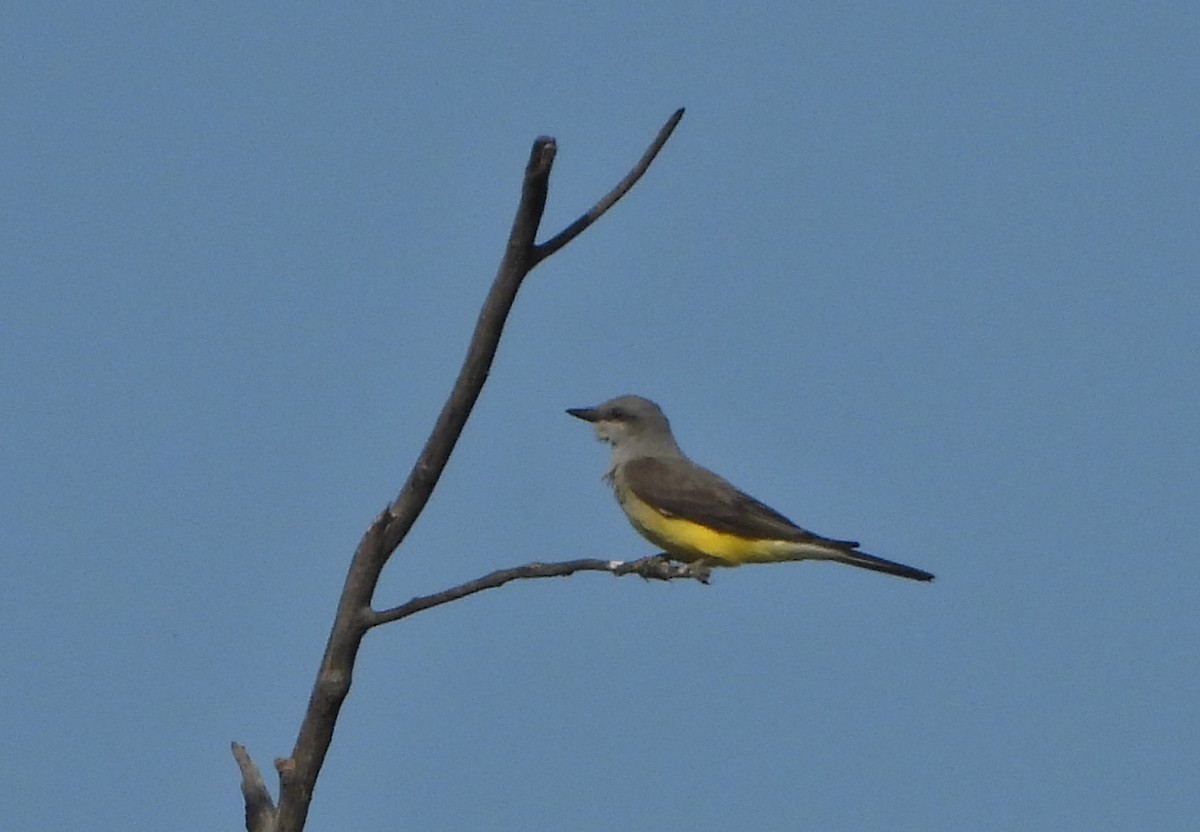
{"x":889,"y":567}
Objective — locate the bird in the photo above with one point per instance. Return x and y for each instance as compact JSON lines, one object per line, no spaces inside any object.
{"x":696,"y":516}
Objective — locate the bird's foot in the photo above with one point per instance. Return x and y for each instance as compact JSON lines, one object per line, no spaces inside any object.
{"x":701,"y":570}
{"x":660,"y":567}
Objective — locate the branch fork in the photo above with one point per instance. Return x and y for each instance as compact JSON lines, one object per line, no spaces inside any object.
{"x":355,"y":615}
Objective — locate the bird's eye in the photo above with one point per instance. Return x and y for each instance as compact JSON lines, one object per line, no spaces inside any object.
{"x":616,"y":413}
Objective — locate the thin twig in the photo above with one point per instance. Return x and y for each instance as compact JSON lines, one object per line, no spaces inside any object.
{"x":656,"y":567}
{"x":594,"y":213}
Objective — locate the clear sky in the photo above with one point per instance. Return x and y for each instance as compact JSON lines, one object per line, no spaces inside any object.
{"x":920,"y":275}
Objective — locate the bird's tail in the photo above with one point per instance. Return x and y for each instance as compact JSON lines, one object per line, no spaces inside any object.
{"x":853,"y":557}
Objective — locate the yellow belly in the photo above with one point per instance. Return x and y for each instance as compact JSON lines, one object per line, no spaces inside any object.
{"x":689,"y":541}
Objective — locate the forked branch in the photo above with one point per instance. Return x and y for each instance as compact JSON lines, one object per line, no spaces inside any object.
{"x":298,"y":773}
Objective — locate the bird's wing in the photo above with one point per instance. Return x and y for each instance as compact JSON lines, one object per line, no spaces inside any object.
{"x":680,"y":488}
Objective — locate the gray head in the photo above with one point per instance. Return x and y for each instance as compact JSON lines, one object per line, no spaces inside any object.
{"x":635,"y":427}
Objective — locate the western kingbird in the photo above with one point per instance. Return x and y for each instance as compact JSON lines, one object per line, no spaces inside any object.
{"x":694,"y":515}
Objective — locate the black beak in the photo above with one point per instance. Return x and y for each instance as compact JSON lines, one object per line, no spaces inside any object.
{"x":587,"y":414}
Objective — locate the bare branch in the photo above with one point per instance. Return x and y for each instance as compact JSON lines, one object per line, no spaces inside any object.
{"x":657,"y":567}
{"x":610,"y":199}
{"x":260,"y":809}
{"x":298,"y":773}
{"x":516,"y":264}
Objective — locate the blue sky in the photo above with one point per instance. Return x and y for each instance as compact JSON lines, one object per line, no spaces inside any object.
{"x":922,"y":277}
